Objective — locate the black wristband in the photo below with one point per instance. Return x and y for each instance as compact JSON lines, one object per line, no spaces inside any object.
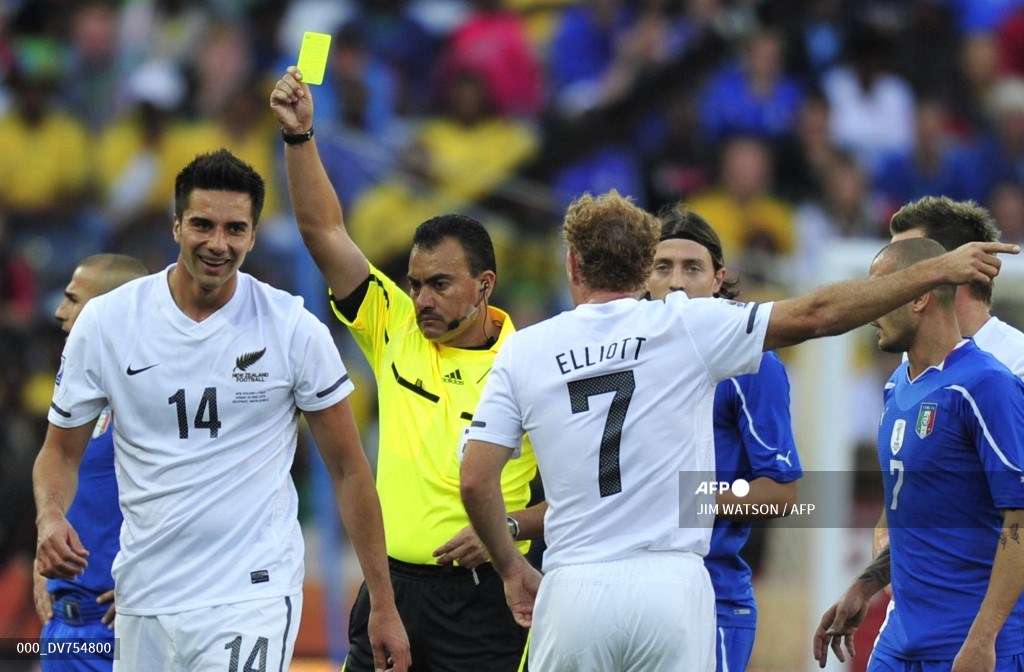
{"x":297,"y":138}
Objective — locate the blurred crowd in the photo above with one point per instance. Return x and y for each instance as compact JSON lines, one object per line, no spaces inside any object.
{"x":788,"y":124}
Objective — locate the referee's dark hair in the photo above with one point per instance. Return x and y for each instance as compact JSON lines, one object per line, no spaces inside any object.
{"x":951,"y":224}
{"x":219,"y":171}
{"x":681,"y":223}
{"x":470,"y":233}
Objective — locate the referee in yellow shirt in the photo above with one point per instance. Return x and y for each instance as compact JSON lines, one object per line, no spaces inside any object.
{"x":431,"y":351}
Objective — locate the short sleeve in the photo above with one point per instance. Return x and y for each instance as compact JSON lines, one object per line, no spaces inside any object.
{"x":729,"y":336}
{"x":320,"y":376}
{"x":765,"y":423}
{"x":78,"y":394}
{"x":498,"y":418}
{"x":994,"y":415}
{"x":385,"y":310}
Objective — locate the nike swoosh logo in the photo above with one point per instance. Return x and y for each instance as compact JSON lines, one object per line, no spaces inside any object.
{"x":132,"y":372}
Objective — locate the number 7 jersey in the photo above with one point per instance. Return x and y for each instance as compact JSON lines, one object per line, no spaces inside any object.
{"x":617,"y":399}
{"x":206,"y":421}
{"x":950,"y":445}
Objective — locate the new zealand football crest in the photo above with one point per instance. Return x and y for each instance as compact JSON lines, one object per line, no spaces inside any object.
{"x":241,"y":372}
{"x":926,"y":419}
{"x":896,"y":440}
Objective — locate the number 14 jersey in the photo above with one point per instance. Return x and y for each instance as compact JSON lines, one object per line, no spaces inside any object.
{"x":206,"y":420}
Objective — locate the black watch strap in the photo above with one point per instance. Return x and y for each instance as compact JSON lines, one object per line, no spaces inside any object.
{"x":297,"y":138}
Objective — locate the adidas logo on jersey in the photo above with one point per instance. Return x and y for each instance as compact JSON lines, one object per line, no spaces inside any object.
{"x":455,"y":377}
{"x":242,"y":364}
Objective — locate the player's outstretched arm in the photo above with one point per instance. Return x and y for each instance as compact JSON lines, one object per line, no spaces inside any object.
{"x":837,"y":308}
{"x":337,"y":438}
{"x":59,"y":552}
{"x":842,"y":619}
{"x":316,"y":206}
{"x":1004,"y":590}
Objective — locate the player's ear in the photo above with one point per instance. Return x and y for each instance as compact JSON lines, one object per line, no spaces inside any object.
{"x":488,"y":280}
{"x":719,"y":280}
{"x":176,"y":229}
{"x":922,"y":302}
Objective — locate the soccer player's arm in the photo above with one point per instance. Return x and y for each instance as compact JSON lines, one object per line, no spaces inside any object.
{"x":763,"y":418}
{"x":481,"y":494}
{"x":840,"y":307}
{"x":1004,"y":591}
{"x":997,"y":408}
{"x":59,"y":552}
{"x":335,"y":433}
{"x":78,"y":398}
{"x":841,"y":620}
{"x":494,"y":437}
{"x":314,"y":201}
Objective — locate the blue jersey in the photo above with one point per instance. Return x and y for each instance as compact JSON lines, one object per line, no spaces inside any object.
{"x":95,"y":515}
{"x":950,"y":445}
{"x":753,"y":438}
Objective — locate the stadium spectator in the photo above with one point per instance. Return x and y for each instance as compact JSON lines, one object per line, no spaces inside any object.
{"x":45,"y":165}
{"x":473,"y":149}
{"x":212,"y":552}
{"x":1000,"y":155}
{"x":755,"y":226}
{"x":846,"y":209}
{"x":872,"y":108}
{"x":937,"y":163}
{"x":754,"y":95}
{"x":430,"y":350}
{"x":1006,"y":203}
{"x":492,"y":45}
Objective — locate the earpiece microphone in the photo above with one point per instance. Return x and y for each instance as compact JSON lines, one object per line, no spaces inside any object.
{"x":454,"y":324}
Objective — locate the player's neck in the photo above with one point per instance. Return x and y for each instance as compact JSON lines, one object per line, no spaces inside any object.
{"x":584,"y":295}
{"x":193,"y":300}
{"x":972,"y":314}
{"x":932,"y":344}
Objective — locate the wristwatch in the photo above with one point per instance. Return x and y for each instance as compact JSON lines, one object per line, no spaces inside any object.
{"x":513,"y":527}
{"x":297,"y":138}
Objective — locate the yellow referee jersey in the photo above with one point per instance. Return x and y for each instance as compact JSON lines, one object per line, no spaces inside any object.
{"x":427,"y":395}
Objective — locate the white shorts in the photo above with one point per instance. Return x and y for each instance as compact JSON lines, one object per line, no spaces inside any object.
{"x":251,"y":635}
{"x":651,"y":612}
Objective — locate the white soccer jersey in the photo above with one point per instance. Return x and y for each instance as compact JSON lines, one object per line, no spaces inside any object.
{"x":1002,"y":342}
{"x":205,"y":420}
{"x":617,"y":399}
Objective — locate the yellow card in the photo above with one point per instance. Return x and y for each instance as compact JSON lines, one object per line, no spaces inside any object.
{"x":313,"y":57}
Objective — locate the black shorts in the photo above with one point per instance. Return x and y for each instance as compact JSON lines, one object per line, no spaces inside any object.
{"x":454,"y":625}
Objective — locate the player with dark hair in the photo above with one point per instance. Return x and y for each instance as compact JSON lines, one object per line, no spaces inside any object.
{"x":753,"y":431}
{"x":206,"y":370}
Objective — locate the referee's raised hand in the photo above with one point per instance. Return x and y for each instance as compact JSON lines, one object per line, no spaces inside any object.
{"x":292,"y":103}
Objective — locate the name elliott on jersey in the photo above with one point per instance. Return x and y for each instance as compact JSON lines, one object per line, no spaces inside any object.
{"x":591,"y":355}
